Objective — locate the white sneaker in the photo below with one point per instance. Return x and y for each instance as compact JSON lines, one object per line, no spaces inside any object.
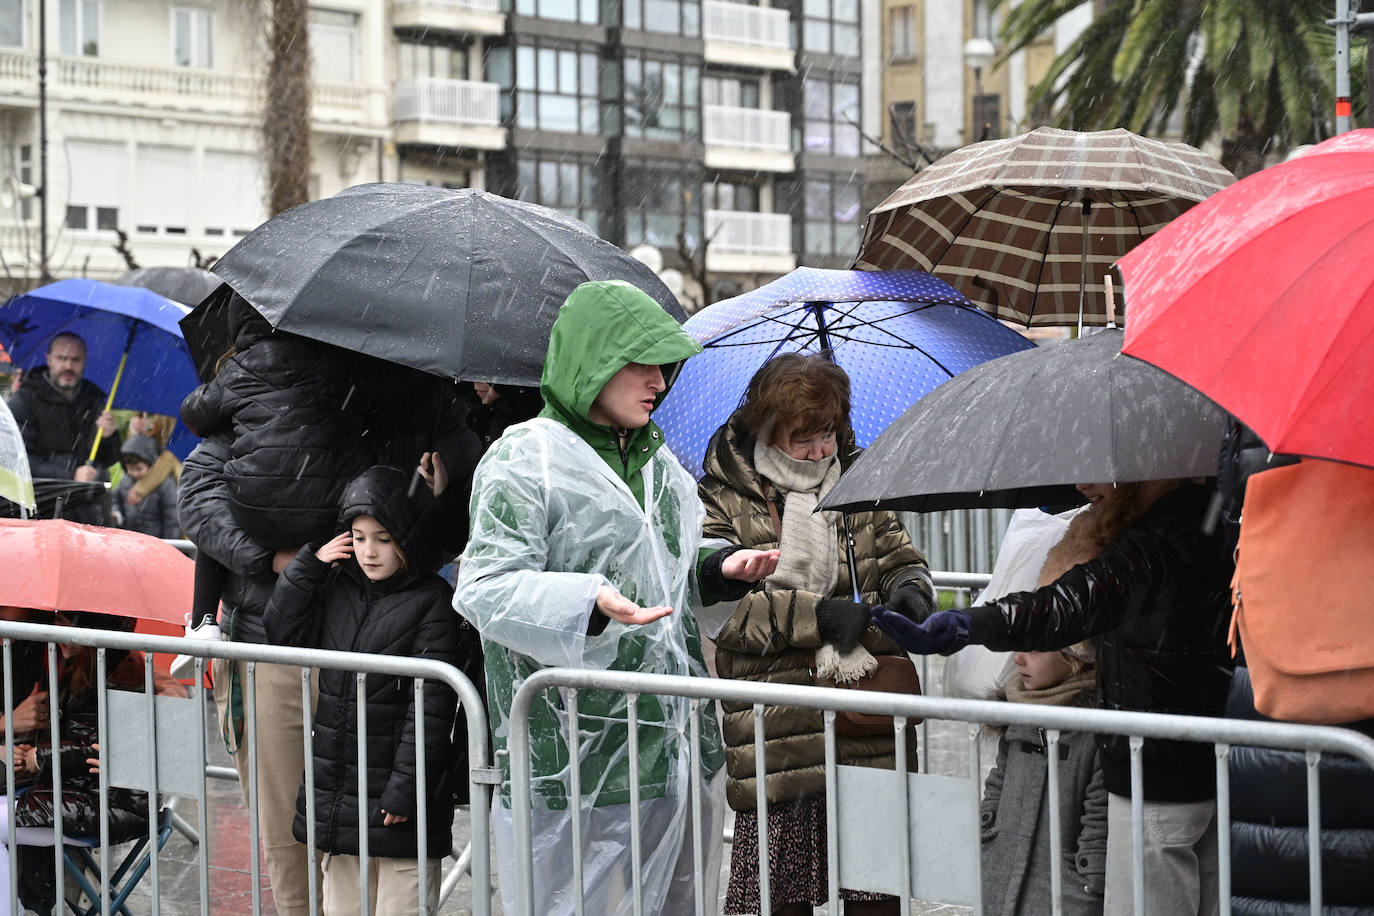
{"x":184,"y":666}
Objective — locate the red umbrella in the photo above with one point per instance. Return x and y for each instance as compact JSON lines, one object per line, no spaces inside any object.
{"x":1262,"y":298}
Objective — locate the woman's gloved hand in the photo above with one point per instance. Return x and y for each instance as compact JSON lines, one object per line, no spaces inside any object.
{"x":912,"y":601}
{"x":943,"y":633}
{"x":842,"y":622}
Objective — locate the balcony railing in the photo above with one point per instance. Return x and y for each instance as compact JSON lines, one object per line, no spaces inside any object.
{"x":744,"y":232}
{"x":747,"y":128}
{"x":481,"y":6}
{"x":446,"y":101}
{"x":743,"y":24}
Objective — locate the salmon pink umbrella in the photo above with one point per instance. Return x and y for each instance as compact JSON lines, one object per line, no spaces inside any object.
{"x":1262,"y":298}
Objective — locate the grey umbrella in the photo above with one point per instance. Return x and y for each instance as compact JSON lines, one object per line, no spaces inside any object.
{"x":187,"y":285}
{"x":1021,"y":430}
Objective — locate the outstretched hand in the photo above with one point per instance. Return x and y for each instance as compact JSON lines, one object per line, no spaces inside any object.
{"x":750,"y":565}
{"x":616,"y":606}
{"x":943,"y":633}
{"x":340,"y":548}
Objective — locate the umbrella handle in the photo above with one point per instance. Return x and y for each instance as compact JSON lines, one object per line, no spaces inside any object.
{"x":99,"y":433}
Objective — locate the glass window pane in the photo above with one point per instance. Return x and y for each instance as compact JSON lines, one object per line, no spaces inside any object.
{"x":76,"y":217}
{"x":661,"y":15}
{"x":558,"y":9}
{"x":846,"y":139}
{"x":548,"y":70}
{"x":108,"y":218}
{"x":525,"y":69}
{"x":591,"y":74}
{"x":590,"y":110}
{"x":526,"y":112}
{"x":207,"y":39}
{"x":90,"y":28}
{"x":816,"y":99}
{"x":846,"y":10}
{"x":11,"y":23}
{"x":181,"y":27}
{"x":526,"y":180}
{"x":846,"y":203}
{"x":558,"y":112}
{"x":634,"y":18}
{"x":568,"y":195}
{"x":67,"y":37}
{"x":749,"y":93}
{"x":846,"y":96}
{"x":548,"y":184}
{"x":846,"y":40}
{"x":816,"y":35}
{"x":820,"y":9}
{"x":567,"y":72}
{"x":691,"y":19}
{"x":525,"y":7}
{"x":672,"y":84}
{"x":589,"y":11}
{"x":691,"y":85}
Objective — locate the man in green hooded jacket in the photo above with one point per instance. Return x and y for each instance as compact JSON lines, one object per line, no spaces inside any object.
{"x":587,"y":551}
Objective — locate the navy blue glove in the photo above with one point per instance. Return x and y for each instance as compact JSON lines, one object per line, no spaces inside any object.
{"x":944,"y":632}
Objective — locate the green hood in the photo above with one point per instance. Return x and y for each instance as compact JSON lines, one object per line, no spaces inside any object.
{"x":602,"y":327}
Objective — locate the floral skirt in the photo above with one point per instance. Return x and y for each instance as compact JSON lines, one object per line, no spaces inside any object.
{"x":796,"y":858}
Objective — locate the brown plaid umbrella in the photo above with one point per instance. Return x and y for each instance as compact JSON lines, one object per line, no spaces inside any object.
{"x":1026,"y":227}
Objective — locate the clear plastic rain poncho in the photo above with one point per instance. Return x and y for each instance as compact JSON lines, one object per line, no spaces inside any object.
{"x":16,"y":484}
{"x":544,"y":500}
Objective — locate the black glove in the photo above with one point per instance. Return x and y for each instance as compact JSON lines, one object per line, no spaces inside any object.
{"x":842,"y":622}
{"x":912,"y":601}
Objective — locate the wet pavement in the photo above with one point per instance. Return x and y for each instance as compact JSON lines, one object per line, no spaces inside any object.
{"x":230,"y":876}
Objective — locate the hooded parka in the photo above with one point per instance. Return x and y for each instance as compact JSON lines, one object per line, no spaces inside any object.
{"x":318,"y":605}
{"x":773,"y":636}
{"x":560,"y":507}
{"x":156,"y":514}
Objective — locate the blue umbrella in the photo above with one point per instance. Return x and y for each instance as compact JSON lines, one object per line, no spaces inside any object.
{"x":898,"y":333}
{"x":134,"y":347}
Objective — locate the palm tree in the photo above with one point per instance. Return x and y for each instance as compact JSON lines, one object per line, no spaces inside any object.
{"x":1256,"y":73}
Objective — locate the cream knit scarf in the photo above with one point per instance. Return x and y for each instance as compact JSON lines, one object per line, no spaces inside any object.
{"x":810,"y":558}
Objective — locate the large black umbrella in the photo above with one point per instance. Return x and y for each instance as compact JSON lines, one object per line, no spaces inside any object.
{"x":187,"y":285}
{"x":462,"y":284}
{"x":1021,"y":430}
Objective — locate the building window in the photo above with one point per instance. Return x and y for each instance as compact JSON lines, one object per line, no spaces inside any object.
{"x":731,"y":91}
{"x":230,"y":194}
{"x":12,"y":23}
{"x":23,"y":163}
{"x":556,"y":89}
{"x":901,"y":33}
{"x":987,"y":116}
{"x":659,"y":203}
{"x":584,"y":11}
{"x":903,"y":116}
{"x":163,"y":191}
{"x":832,"y":217}
{"x":567,"y":185}
{"x":417,"y":61}
{"x":193,"y":38}
{"x":677,"y":17}
{"x":831,"y":26}
{"x":98,"y":175}
{"x":662,"y":99}
{"x":831,"y":117}
{"x":731,"y":195}
{"x":79,"y":27}
{"x":334,"y":44}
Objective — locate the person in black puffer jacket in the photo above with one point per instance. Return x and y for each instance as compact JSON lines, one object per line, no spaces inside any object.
{"x":1159,"y":598}
{"x":1269,"y":875}
{"x":372,"y":589}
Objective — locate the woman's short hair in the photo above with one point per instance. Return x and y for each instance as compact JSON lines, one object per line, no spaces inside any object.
{"x":799,"y":393}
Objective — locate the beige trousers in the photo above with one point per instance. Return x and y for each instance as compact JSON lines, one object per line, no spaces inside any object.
{"x":281,"y":766}
{"x":393,"y":886}
{"x":1180,"y":858}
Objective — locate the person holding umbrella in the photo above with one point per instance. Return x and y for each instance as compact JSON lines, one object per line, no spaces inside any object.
{"x":765,"y":470}
{"x":587,"y":551}
{"x":1158,"y":597}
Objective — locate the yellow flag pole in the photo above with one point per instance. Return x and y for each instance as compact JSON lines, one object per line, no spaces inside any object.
{"x":99,"y":433}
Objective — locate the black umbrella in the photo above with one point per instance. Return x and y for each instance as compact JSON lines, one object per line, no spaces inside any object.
{"x":187,"y":285}
{"x":462,"y":284}
{"x":1021,"y":430}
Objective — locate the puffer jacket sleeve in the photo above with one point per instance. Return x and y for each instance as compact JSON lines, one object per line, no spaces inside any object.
{"x":203,"y":511}
{"x":203,"y":409}
{"x":1088,"y":600}
{"x":899,"y":562}
{"x":439,"y":637}
{"x":293,"y":612}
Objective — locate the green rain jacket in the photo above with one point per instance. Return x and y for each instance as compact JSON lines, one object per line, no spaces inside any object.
{"x":560,"y":508}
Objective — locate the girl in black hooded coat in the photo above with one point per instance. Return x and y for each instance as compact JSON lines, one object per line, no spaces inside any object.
{"x":373,"y":589}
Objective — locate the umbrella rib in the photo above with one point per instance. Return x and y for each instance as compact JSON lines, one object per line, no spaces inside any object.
{"x":954,"y":236}
{"x":1044,"y":258}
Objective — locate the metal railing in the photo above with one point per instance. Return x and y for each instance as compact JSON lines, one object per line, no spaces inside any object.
{"x":448,"y":101}
{"x":746,"y":232}
{"x":745,"y":24}
{"x":746,"y":128}
{"x":153,"y":759}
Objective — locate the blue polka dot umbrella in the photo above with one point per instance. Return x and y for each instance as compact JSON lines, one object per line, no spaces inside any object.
{"x":898,"y":333}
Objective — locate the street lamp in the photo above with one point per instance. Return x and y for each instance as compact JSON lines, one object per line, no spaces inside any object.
{"x":978,"y":53}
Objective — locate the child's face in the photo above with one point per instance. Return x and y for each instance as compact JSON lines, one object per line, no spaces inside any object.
{"x":1039,"y":670}
{"x":136,"y":469}
{"x":374,"y":549}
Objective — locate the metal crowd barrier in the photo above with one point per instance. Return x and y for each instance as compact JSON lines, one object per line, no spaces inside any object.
{"x":158,"y":745}
{"x":915,"y":861}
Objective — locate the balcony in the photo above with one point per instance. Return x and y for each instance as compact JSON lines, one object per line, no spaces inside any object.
{"x":747,"y":36}
{"x":478,"y":17}
{"x":128,"y":84}
{"x":443,"y":112}
{"x":747,"y":242}
{"x":749,"y":139}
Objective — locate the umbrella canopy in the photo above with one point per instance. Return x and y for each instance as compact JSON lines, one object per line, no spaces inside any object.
{"x":187,"y":285}
{"x":55,"y":565}
{"x":462,"y":284}
{"x":897,"y":333}
{"x":1263,"y":299}
{"x":1022,"y":430}
{"x":114,"y":321}
{"x":16,"y":483}
{"x":1026,"y":227}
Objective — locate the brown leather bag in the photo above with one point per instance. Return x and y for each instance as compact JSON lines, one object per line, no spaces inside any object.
{"x":895,"y":674}
{"x":1301,"y":591}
